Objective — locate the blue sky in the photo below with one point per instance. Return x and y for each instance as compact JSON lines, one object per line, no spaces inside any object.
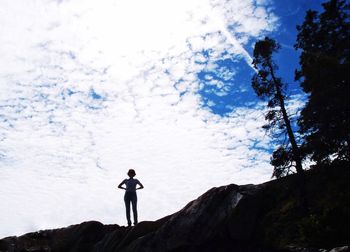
{"x":90,"y":90}
{"x":239,"y":92}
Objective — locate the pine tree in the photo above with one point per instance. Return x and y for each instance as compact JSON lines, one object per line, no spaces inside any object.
{"x":269,"y":87}
{"x":325,"y":76}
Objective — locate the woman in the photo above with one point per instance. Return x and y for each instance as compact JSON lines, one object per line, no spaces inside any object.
{"x":130,"y":194}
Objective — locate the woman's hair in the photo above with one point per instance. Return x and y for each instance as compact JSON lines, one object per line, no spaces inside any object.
{"x":131,"y":173}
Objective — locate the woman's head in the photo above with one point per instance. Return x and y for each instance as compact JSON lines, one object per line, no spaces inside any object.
{"x":131,"y":173}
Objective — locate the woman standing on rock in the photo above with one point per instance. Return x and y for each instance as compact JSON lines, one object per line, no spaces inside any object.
{"x":130,"y":194}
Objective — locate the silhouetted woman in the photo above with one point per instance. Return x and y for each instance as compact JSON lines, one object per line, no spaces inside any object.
{"x":130,"y":194}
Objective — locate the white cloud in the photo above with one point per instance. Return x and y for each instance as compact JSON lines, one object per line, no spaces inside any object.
{"x":89,"y":90}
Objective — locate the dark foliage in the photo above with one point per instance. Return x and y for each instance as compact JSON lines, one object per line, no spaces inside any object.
{"x":270,"y":88}
{"x":325,"y":224}
{"x":281,"y":161}
{"x":325,"y":75}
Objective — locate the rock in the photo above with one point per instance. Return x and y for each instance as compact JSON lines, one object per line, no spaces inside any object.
{"x":299,"y":249}
{"x":341,"y":249}
{"x":118,"y":239}
{"x":78,"y":238}
{"x":204,"y":224}
{"x":293,"y":248}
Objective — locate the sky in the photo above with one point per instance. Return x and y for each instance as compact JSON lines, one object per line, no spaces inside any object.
{"x":90,"y":89}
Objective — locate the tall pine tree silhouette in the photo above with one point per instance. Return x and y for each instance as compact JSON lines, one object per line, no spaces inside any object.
{"x":269,"y":87}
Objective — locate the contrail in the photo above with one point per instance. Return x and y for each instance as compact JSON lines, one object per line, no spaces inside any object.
{"x":230,"y":38}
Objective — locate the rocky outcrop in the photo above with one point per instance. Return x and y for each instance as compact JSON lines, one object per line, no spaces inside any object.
{"x":290,"y":214}
{"x":205,"y":224}
{"x":81,"y":237}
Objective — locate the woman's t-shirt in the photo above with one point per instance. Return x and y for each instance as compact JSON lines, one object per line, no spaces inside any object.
{"x":131,"y":184}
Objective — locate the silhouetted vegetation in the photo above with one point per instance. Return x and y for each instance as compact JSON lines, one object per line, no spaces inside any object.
{"x":324,"y":225}
{"x":325,"y":76}
{"x":271,"y":88}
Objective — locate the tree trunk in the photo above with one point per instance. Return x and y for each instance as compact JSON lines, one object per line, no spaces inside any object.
{"x":295,"y":148}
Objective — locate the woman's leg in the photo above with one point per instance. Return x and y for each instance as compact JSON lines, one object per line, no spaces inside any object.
{"x":127,"y":200}
{"x":134,"y":208}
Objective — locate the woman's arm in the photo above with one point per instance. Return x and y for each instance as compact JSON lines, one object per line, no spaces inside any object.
{"x":141,"y":186}
{"x":120,"y":185}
